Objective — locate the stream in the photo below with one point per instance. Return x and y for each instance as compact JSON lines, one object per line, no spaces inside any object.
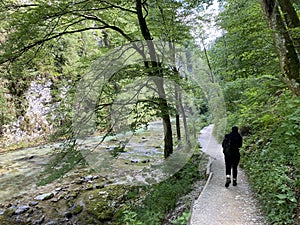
{"x":141,"y":161}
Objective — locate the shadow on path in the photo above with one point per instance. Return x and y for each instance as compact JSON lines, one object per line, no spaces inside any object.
{"x":218,"y":205}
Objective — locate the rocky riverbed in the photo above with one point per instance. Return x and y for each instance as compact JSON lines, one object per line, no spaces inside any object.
{"x":89,"y":192}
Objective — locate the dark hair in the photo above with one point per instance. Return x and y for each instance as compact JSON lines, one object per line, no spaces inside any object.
{"x":235,"y":129}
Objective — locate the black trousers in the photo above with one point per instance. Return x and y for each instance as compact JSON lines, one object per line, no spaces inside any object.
{"x":232,"y":162}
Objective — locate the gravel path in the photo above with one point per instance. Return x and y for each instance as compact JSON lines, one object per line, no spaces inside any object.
{"x":218,"y":205}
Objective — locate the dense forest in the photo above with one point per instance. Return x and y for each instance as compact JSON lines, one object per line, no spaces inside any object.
{"x":72,"y":69}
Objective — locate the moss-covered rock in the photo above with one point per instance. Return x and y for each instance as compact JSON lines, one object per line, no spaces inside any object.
{"x":9,"y":212}
{"x":6,"y":221}
{"x":77,"y":209}
{"x":104,"y":204}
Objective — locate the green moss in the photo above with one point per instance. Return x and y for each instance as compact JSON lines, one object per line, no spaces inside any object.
{"x":9,"y":212}
{"x":77,"y":209}
{"x":25,"y":144}
{"x":105,"y":202}
{"x":150,"y":204}
{"x":5,"y":221}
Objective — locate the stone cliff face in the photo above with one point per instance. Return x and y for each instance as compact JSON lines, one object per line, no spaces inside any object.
{"x":37,"y":122}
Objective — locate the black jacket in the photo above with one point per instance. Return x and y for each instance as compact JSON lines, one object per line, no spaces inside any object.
{"x":236,"y":141}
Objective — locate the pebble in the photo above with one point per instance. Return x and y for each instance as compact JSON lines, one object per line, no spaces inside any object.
{"x":39,"y":221}
{"x":45,"y":196}
{"x":22,"y":209}
{"x":99,"y":186}
{"x":89,"y":187}
{"x":55,"y":199}
{"x":80,"y":181}
{"x":68,"y":214}
{"x":134,"y":161}
{"x":51,"y":223}
{"x":89,"y":177}
{"x":58,"y":189}
{"x":33,"y":203}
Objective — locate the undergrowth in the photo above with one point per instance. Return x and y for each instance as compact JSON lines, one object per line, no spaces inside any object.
{"x":271,"y":150}
{"x":161,"y":198}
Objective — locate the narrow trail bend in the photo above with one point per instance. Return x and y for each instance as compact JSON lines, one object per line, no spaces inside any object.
{"x":218,"y":205}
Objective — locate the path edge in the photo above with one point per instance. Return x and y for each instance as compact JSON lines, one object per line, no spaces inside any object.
{"x":209,"y":175}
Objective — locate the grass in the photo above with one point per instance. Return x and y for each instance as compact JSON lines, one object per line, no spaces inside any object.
{"x":162,"y":198}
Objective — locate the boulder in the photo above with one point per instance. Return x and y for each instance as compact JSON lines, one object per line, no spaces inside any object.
{"x":45,"y":196}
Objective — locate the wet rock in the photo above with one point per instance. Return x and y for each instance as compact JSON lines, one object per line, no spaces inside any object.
{"x":39,"y":221}
{"x":45,"y":196}
{"x":99,"y":186}
{"x":19,"y":220}
{"x":26,"y":158}
{"x":9,"y":212}
{"x":89,"y":187}
{"x":71,"y":195}
{"x":22,"y":209}
{"x":146,"y":161}
{"x":89,"y":177}
{"x":134,"y":160}
{"x":58,"y":189}
{"x":51,"y":223}
{"x":7,"y":205}
{"x":55,"y":199}
{"x":33,"y":203}
{"x":65,"y":188}
{"x":79,"y":181}
{"x":68,"y":214}
{"x":109,"y":181}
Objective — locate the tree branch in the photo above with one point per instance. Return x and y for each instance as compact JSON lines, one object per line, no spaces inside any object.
{"x":20,"y":52}
{"x":115,"y":28}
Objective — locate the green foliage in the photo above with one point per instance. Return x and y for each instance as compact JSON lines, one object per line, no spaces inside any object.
{"x":171,"y":19}
{"x":162,"y":197}
{"x":6,"y":114}
{"x":183,"y":219}
{"x":130,"y":218}
{"x":246,"y":49}
{"x":271,"y":153}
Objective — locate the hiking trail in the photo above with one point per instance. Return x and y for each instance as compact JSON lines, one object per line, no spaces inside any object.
{"x":218,"y":205}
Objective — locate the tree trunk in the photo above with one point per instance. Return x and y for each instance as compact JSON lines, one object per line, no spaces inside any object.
{"x":184,"y":120}
{"x":292,"y":21}
{"x":163,"y":104}
{"x":164,"y":109}
{"x":286,"y":51}
{"x":178,"y":132}
{"x":178,"y":96}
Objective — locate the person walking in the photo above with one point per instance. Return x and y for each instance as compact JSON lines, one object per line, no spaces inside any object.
{"x":231,"y":144}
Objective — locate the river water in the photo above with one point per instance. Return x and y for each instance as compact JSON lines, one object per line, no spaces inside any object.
{"x":142,"y":161}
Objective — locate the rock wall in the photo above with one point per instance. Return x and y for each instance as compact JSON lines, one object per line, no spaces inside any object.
{"x":36,"y":123}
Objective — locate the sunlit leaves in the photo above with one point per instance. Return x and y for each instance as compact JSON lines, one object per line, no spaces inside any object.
{"x":246,"y":49}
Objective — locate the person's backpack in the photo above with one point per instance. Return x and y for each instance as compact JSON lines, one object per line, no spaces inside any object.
{"x":227,"y":145}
